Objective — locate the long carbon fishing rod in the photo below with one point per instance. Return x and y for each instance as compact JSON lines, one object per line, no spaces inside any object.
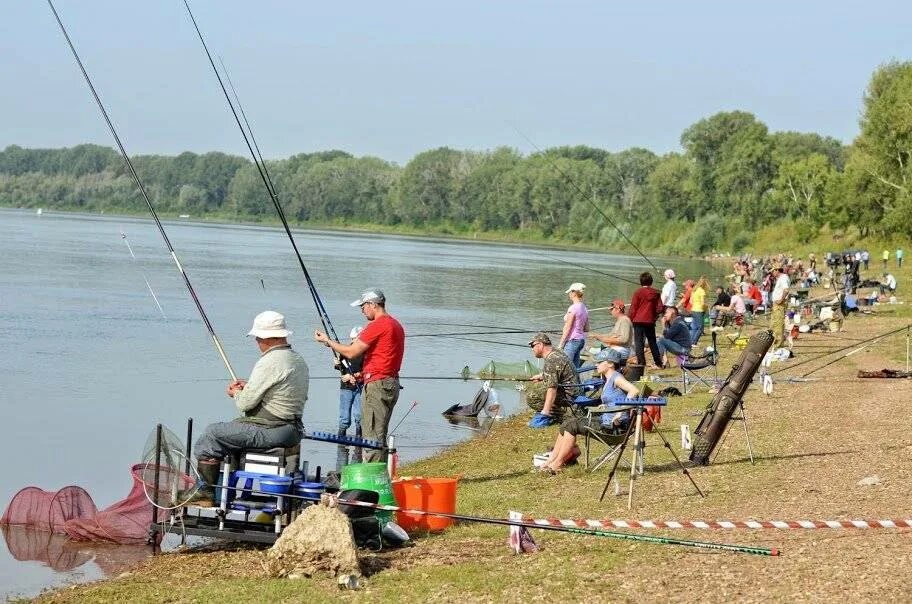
{"x":493,"y":332}
{"x":143,"y":273}
{"x":743,"y":549}
{"x":585,"y":196}
{"x":145,"y":195}
{"x":270,"y":188}
{"x":589,"y":268}
{"x":843,"y":349}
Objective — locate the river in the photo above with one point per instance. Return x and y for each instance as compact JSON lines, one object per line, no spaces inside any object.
{"x":90,"y":365}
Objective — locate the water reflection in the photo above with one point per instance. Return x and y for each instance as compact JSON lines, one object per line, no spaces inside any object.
{"x":69,"y":560}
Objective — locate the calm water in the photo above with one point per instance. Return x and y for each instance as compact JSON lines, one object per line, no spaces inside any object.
{"x":90,"y":365}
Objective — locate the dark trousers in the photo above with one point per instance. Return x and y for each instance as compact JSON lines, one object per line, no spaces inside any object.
{"x":646,"y":331}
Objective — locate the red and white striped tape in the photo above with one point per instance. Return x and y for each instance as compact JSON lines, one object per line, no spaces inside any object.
{"x":724,"y":524}
{"x":665,"y":524}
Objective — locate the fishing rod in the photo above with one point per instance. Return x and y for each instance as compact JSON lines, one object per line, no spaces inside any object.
{"x":143,"y":273}
{"x":589,"y":268}
{"x":477,"y":333}
{"x":499,"y":343}
{"x":583,"y":195}
{"x":565,"y":314}
{"x":472,"y":325}
{"x":843,"y":349}
{"x":273,"y":195}
{"x":845,"y":356}
{"x":505,"y":331}
{"x":410,"y":409}
{"x":145,"y":195}
{"x":466,"y":378}
{"x":335,"y":500}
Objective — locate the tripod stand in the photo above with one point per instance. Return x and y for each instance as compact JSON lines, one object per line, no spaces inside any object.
{"x":637,"y":464}
{"x":743,"y":418}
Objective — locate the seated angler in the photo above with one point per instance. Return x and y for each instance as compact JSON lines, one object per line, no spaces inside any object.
{"x":723,"y":299}
{"x":272,"y":402}
{"x":736,"y":305}
{"x":616,"y":389}
{"x":621,"y":336}
{"x":559,"y":377}
{"x":676,"y":337}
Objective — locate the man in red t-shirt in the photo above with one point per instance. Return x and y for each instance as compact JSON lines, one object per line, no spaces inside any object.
{"x":381,"y":344}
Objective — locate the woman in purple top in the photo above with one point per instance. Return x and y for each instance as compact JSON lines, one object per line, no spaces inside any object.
{"x":576,"y":324}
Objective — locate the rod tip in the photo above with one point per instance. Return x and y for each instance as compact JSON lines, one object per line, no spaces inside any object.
{"x":774,"y":551}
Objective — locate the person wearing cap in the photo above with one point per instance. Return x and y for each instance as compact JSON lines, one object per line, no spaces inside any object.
{"x":670,"y":289}
{"x":350,"y":387}
{"x":615,"y":390}
{"x":559,"y":377}
{"x":576,"y":324}
{"x":779,"y":299}
{"x":620,"y":338}
{"x":381,"y":346}
{"x":645,"y":308}
{"x":271,"y":400}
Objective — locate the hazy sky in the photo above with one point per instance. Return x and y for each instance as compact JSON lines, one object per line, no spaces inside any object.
{"x":393,"y":78}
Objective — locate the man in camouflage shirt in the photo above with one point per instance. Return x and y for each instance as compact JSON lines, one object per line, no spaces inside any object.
{"x":558,"y":376}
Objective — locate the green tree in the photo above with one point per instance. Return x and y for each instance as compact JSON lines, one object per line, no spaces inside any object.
{"x":800,"y":186}
{"x":878,"y":173}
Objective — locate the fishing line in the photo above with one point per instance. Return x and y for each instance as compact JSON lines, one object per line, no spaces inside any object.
{"x":589,"y":268}
{"x":273,"y":195}
{"x":143,"y":273}
{"x":585,"y":196}
{"x":145,"y":195}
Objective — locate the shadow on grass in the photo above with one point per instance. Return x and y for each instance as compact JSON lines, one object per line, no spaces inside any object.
{"x":669,"y":465}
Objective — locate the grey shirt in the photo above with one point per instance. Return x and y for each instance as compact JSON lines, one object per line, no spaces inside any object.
{"x":279,"y":382}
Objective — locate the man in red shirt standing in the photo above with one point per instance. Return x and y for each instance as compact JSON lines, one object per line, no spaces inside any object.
{"x":381,"y":344}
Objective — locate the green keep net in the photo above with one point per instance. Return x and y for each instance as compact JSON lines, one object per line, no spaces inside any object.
{"x":497,"y":370}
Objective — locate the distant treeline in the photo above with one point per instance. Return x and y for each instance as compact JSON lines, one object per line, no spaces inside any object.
{"x":733,"y":178}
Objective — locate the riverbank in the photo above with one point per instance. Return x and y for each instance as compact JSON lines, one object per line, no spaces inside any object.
{"x":441,"y":230}
{"x":815,"y":443}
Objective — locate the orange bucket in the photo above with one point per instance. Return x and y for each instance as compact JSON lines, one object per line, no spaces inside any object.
{"x":426,"y":494}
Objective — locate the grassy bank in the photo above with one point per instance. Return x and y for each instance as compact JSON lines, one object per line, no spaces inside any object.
{"x":813,"y":442}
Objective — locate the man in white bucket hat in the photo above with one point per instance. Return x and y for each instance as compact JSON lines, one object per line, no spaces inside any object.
{"x":381,"y":346}
{"x":272,"y":402}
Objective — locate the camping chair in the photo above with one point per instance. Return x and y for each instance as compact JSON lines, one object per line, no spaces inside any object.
{"x":690,"y":366}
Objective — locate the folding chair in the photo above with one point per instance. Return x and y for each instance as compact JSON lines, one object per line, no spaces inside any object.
{"x":690,"y":365}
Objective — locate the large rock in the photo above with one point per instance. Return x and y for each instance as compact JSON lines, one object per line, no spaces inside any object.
{"x":319,"y":540}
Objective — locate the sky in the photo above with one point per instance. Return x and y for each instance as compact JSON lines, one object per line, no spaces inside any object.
{"x":393,"y":79}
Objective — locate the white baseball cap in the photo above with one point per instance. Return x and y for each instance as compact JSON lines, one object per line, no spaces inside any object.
{"x":575,"y":287}
{"x":669,"y":274}
{"x":370,"y":295}
{"x":269,"y":324}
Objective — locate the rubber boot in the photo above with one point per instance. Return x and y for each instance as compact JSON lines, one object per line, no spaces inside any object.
{"x":209,"y":473}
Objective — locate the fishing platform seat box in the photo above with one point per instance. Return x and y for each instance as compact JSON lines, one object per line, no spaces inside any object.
{"x":282,"y":461}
